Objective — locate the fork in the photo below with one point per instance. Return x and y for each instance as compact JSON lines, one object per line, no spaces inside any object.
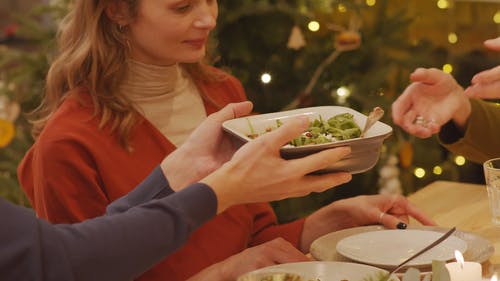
{"x":432,"y":245}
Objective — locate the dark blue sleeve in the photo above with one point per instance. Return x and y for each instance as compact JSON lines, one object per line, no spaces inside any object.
{"x":113,"y":247}
{"x":155,"y":186}
{"x":25,"y":242}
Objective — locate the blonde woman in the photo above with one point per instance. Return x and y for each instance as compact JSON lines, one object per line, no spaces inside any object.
{"x":126,"y":89}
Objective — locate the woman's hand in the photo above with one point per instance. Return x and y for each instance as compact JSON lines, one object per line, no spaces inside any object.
{"x":277,"y":251}
{"x":486,"y":84}
{"x":258,"y":173}
{"x":432,"y":99}
{"x":206,"y":149}
{"x":392,"y":211}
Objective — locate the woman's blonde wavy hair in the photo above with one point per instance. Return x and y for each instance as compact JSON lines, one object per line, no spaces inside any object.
{"x":92,"y":50}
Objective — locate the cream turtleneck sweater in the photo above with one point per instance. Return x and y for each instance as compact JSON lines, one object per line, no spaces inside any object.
{"x":167,"y":97}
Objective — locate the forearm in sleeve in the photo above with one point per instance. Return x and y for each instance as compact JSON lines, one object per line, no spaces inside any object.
{"x":155,"y":186}
{"x":479,"y":142}
{"x":114,"y":247}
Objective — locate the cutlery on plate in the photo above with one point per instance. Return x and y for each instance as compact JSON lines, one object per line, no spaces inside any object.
{"x":432,"y":245}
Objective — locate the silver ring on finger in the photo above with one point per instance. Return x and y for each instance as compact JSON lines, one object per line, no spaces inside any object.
{"x":382,"y":214}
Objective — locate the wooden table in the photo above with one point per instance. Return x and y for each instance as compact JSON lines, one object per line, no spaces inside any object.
{"x":464,"y":206}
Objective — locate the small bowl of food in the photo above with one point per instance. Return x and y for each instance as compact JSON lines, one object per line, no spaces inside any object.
{"x":318,"y":271}
{"x":330,"y":126}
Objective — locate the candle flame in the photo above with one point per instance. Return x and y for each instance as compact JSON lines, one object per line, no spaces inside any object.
{"x":460,"y":258}
{"x":494,"y":277}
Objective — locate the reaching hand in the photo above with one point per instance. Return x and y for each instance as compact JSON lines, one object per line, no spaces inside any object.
{"x":486,"y":84}
{"x":389,"y":210}
{"x":277,"y":251}
{"x":432,"y":99}
{"x":206,"y":149}
{"x":493,"y":44}
{"x":257,"y":173}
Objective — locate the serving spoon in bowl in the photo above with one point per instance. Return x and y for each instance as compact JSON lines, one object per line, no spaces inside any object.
{"x":373,"y":117}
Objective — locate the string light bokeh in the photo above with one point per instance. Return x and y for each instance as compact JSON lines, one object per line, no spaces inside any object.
{"x":448,"y":30}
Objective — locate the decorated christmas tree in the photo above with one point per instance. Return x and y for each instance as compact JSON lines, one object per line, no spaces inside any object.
{"x":346,"y":53}
{"x":288,"y":54}
{"x":26,"y":47}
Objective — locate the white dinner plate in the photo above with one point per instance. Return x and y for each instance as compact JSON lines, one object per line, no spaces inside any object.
{"x":317,"y":271}
{"x":365,"y":151}
{"x":388,"y":248}
{"x":324,"y":248}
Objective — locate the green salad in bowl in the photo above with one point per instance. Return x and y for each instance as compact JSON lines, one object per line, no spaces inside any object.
{"x":339,"y":127}
{"x":330,"y":127}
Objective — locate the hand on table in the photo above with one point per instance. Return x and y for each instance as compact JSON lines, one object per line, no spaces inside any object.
{"x":276,"y":251}
{"x":392,"y":211}
{"x":430,"y":101}
{"x":486,"y":84}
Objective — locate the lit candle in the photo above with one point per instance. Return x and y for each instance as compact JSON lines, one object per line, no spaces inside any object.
{"x":462,"y":270}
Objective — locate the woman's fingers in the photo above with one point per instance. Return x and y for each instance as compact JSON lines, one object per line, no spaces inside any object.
{"x":231,"y":111}
{"x":400,"y":107}
{"x":486,"y":84}
{"x":316,"y":183}
{"x":326,"y":181}
{"x":284,"y":252}
{"x":493,"y":44}
{"x":484,"y":91}
{"x":487,"y":76}
{"x":288,"y":131}
{"x":319,"y":160}
{"x":429,"y":76}
{"x":390,"y":221}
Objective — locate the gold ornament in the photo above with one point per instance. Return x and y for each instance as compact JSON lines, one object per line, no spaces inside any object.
{"x":347,"y":40}
{"x":9,"y":111}
{"x":406,"y":154}
{"x":7,"y":132}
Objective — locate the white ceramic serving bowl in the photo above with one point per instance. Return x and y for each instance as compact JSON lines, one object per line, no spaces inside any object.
{"x":364,"y":151}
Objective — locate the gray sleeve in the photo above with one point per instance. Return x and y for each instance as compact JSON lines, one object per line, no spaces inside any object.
{"x":114,"y":247}
{"x":155,"y":186}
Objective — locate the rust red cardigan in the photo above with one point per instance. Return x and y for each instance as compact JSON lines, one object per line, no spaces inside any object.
{"x":74,"y":170}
